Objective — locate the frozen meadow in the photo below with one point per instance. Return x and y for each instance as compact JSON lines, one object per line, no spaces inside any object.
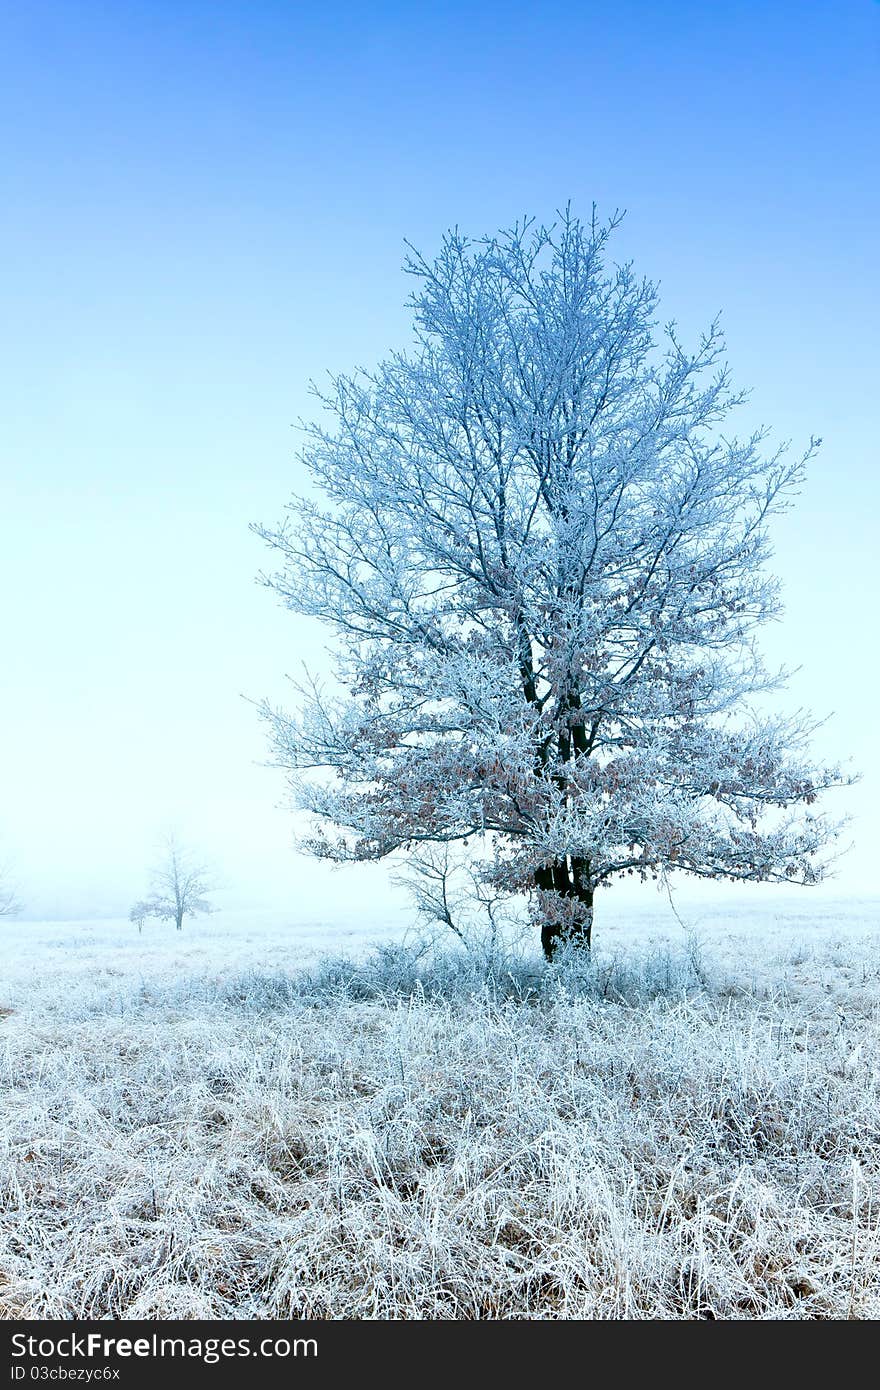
{"x":231,"y":1122}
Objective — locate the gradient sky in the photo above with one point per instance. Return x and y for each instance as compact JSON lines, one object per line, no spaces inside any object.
{"x":205,"y":206}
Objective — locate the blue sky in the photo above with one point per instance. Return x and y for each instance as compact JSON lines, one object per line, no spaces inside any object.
{"x":205,"y":206}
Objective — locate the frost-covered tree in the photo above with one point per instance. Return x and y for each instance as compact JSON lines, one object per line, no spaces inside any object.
{"x":9,"y":904}
{"x":543,"y":556}
{"x":178,"y":887}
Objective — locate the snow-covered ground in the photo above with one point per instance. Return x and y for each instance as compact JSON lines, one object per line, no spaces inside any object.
{"x":223,"y":1123}
{"x":68,"y":965}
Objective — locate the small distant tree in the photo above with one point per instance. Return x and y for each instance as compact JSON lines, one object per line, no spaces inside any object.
{"x":9,"y":903}
{"x":179,"y":885}
{"x":139,"y":914}
{"x":543,"y":554}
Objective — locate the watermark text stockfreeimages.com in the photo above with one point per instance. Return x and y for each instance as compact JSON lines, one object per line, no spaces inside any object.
{"x":206,"y":1349}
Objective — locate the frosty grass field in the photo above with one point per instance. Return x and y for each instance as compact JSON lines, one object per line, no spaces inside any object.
{"x":228,"y":1123}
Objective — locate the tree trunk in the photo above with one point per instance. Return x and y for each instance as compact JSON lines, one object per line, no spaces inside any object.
{"x":566,"y":882}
